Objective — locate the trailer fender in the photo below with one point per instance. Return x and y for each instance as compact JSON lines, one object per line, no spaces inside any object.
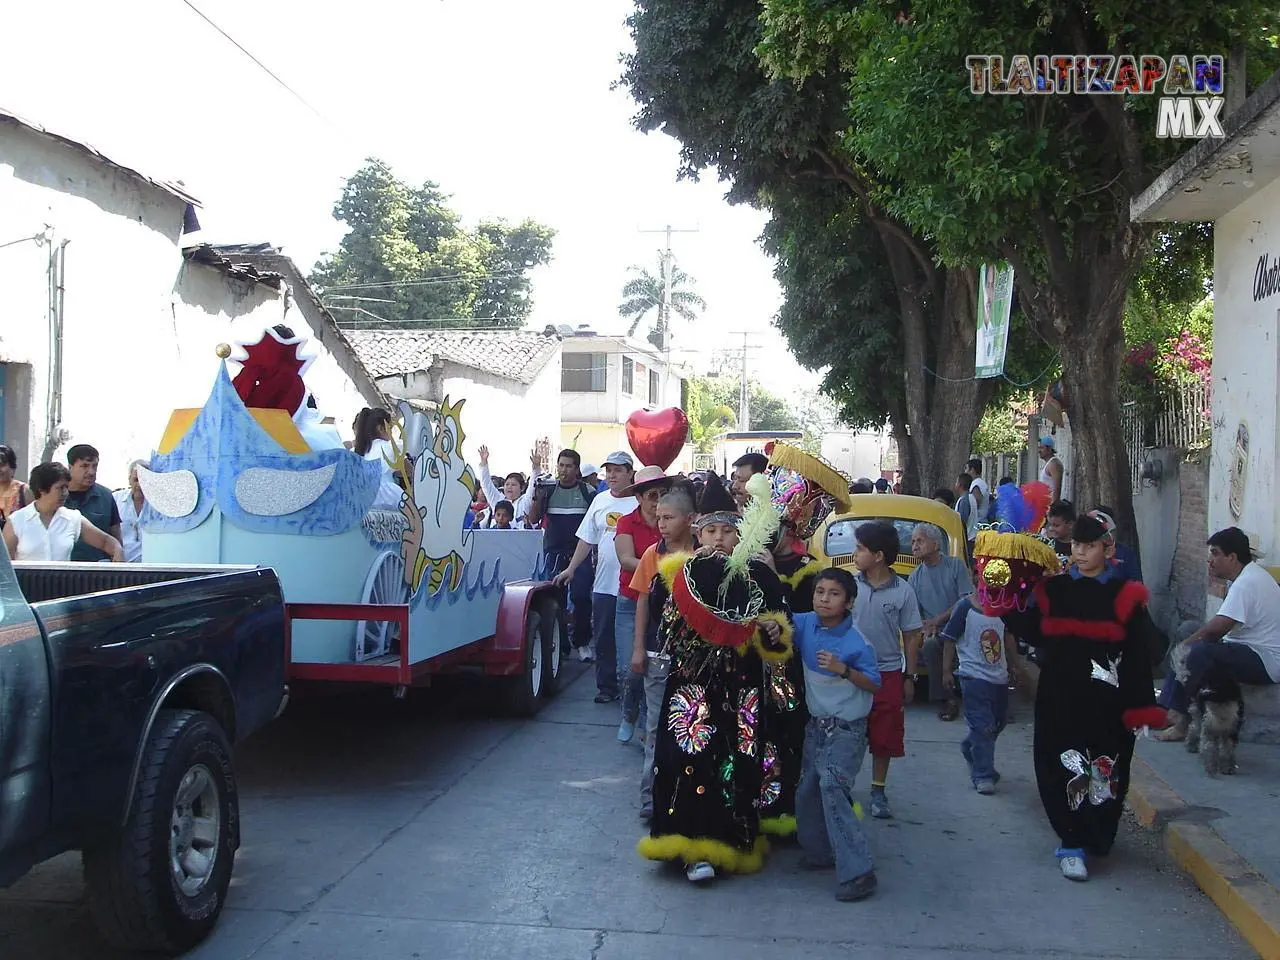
{"x":513,"y":612}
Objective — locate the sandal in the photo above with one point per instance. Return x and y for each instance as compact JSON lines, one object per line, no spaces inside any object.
{"x":949,"y":712}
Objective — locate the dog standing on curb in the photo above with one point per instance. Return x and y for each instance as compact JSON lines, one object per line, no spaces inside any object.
{"x":1216,"y":715}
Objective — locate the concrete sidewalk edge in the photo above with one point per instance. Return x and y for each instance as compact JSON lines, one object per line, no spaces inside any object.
{"x":1245,"y":897}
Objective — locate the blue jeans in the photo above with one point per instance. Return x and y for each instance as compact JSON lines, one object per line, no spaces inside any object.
{"x":656,"y":670}
{"x":986,"y":711}
{"x":1241,"y":659}
{"x":630,"y":685}
{"x":602,"y":631}
{"x":826,"y":825}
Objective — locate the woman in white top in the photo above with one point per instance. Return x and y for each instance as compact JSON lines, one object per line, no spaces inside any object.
{"x":515,"y":491}
{"x":373,"y":442}
{"x":45,"y":529}
{"x":130,"y":502}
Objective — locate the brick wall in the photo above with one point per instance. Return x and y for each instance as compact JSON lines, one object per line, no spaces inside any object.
{"x":1190,"y":573}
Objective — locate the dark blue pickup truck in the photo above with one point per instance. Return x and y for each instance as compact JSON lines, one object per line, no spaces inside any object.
{"x":122,"y":690}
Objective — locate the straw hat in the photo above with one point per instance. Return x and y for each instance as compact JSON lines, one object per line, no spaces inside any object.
{"x":646,"y":478}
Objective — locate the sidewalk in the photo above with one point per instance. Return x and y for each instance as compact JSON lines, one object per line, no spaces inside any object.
{"x":1219,"y":830}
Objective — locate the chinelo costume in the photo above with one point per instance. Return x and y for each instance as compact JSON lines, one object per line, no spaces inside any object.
{"x":714,"y":764}
{"x":1096,"y":640}
{"x":806,"y":490}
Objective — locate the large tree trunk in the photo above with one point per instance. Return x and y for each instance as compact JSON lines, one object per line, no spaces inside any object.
{"x":1082,"y":303}
{"x":944,"y":403}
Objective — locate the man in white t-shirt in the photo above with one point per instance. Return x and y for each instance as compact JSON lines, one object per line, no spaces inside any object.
{"x":596,"y":533}
{"x":1244,"y":636}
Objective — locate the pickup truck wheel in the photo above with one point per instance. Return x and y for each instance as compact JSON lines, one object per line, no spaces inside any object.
{"x":549,"y":611}
{"x":160,"y":884}
{"x":523,"y":692}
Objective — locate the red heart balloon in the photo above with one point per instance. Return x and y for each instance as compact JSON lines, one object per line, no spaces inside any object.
{"x":657,"y":436}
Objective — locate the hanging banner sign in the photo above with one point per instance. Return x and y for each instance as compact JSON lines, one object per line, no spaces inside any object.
{"x":995,"y":300}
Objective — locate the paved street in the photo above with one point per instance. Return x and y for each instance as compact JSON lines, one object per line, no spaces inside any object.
{"x":375,"y":829}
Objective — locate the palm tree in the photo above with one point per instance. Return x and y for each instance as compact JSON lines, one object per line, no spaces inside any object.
{"x":643,"y":293}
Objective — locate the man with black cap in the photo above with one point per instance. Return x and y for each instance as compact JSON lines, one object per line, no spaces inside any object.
{"x":1096,"y":641}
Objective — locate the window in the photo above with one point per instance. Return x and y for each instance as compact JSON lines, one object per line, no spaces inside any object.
{"x":841,"y":541}
{"x":584,"y":372}
{"x":655,"y":388}
{"x":628,"y":376}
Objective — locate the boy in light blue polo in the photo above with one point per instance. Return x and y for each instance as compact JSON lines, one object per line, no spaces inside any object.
{"x":840,"y":680}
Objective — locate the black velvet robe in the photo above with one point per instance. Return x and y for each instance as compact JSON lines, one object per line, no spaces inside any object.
{"x":1094,"y":639}
{"x":709,"y":758}
{"x":785,"y":711}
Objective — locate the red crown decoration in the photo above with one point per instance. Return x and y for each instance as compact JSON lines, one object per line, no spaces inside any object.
{"x":271,"y":372}
{"x":1010,"y":560}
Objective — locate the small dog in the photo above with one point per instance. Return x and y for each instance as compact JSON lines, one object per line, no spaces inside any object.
{"x":1216,"y":716}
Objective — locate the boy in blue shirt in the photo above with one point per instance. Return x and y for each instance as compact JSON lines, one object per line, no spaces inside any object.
{"x":840,"y":679}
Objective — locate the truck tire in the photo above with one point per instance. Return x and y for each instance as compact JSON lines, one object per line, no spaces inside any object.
{"x":160,"y":884}
{"x":523,"y":692}
{"x":552,"y":661}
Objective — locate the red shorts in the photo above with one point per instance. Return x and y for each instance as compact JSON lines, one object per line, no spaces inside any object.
{"x":886,"y":724}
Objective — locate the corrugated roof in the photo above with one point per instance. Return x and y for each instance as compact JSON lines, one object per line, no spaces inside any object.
{"x":518,"y":355}
{"x":170,"y":188}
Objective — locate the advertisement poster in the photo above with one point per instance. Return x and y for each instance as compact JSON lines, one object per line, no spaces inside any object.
{"x":995,"y":299}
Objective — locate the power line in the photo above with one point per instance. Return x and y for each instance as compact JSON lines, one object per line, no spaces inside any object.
{"x":448,"y":278}
{"x":265,"y":69}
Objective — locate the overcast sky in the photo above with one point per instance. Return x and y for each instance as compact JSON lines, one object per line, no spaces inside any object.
{"x":506,"y":103}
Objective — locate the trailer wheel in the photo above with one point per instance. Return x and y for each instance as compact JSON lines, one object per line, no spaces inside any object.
{"x":159,"y":885}
{"x":523,"y":692}
{"x":549,"y":610}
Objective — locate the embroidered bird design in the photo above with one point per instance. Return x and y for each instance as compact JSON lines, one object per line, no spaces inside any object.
{"x":1108,"y":674}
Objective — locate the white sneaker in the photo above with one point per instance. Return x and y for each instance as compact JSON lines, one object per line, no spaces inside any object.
{"x":700,"y":872}
{"x":1073,"y":868}
{"x":585,"y":654}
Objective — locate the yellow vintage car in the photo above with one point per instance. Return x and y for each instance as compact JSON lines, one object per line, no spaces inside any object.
{"x":833,"y":543}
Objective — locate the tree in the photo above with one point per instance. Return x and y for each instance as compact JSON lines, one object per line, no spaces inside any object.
{"x":1044,"y":182}
{"x":406,"y":245}
{"x":768,"y":411}
{"x":696,"y":76}
{"x":643,"y":293}
{"x":707,"y":418}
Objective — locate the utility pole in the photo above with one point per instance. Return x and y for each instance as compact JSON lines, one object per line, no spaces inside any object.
{"x":744,"y":389}
{"x":664,"y":304}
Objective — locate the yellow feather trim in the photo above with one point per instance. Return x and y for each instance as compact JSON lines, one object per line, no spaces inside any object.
{"x":810,"y":568}
{"x":675,"y":846}
{"x":781,"y":826}
{"x":1016,"y":546}
{"x":670,"y":565}
{"x":786,"y":638}
{"x":812,"y":468}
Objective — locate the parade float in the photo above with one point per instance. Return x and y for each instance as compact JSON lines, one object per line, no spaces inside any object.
{"x":374,"y":596}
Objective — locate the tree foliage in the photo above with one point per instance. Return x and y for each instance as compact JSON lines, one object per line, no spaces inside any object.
{"x":696,"y":76}
{"x":643,"y":294}
{"x":1044,"y":182}
{"x":407,"y":245}
{"x":767,"y":410}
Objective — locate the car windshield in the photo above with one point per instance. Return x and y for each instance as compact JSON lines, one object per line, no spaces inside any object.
{"x":841,"y":540}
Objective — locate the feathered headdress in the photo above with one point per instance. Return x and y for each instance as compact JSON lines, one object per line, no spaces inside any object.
{"x":1009,"y":557}
{"x":808,"y":488}
{"x":759,"y":522}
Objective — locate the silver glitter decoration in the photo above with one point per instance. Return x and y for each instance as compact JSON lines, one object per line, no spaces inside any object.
{"x":277,"y":493}
{"x":172,"y":494}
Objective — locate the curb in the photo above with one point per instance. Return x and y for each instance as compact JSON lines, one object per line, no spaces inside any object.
{"x":1245,"y":897}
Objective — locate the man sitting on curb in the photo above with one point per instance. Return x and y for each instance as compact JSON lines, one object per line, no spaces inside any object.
{"x":1244,"y":637}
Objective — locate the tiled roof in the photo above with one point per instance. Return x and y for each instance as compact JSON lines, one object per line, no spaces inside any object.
{"x":212,"y":256}
{"x":518,"y":355}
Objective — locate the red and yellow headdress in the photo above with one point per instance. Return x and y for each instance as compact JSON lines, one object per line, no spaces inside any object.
{"x":1008,"y":556}
{"x":821,"y":489}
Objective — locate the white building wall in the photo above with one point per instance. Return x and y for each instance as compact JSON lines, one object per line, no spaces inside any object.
{"x":1245,"y":373}
{"x":506,"y":416}
{"x":121,"y":260}
{"x":614,"y":406}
